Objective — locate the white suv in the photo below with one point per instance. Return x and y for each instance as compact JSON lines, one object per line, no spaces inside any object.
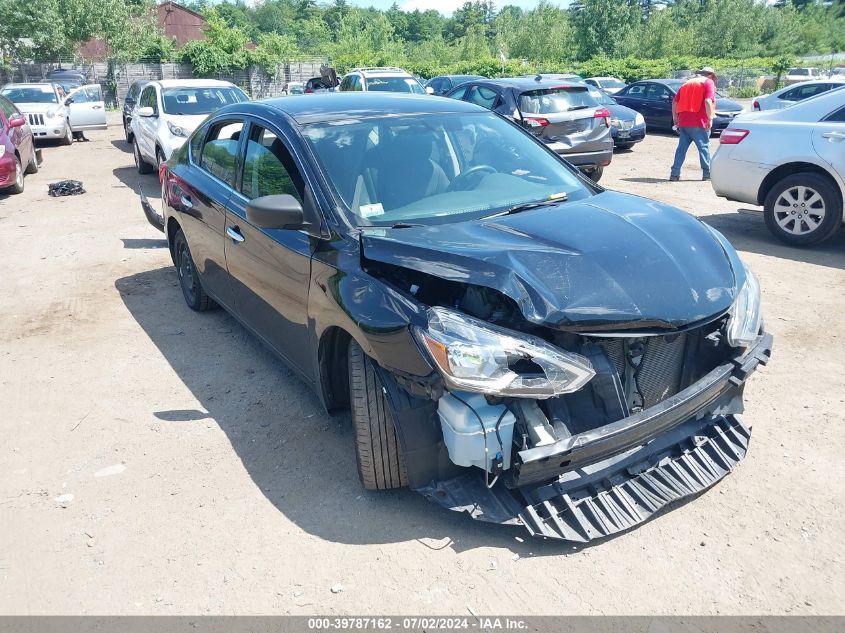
{"x":381,"y":80}
{"x":169,"y":110}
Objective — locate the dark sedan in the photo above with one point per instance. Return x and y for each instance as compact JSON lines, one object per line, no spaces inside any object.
{"x":511,"y":339}
{"x":627,"y":126}
{"x":653,"y":99}
{"x":444,"y":83}
{"x":129,"y":103}
{"x":559,"y":112}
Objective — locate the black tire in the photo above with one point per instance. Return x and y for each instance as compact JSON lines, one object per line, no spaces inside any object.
{"x":32,"y":168}
{"x":381,"y":465}
{"x":159,"y":158}
{"x":596,"y":174}
{"x":624,"y":146}
{"x":127,"y":132}
{"x":783,"y":221}
{"x":189,"y":280}
{"x":67,"y":139}
{"x":17,"y":186}
{"x":143,"y":166}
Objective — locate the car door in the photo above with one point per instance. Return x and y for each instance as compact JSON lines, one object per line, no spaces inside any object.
{"x":829,"y":140}
{"x":270,"y":268}
{"x":202,"y":195}
{"x":86,"y":108}
{"x":657,"y":108}
{"x":146,"y":125}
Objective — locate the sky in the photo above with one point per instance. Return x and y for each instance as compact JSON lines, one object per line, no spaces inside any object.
{"x":444,"y":6}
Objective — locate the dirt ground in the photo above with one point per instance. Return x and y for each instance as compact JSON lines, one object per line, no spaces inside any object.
{"x":159,"y":461}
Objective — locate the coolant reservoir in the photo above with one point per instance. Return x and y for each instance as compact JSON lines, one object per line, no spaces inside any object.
{"x":463,"y":434}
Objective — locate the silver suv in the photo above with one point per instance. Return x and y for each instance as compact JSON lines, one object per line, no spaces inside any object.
{"x":381,"y":80}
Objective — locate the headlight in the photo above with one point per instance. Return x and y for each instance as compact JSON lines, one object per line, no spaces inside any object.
{"x":638,"y":119}
{"x":177,"y":130}
{"x":615,"y":123}
{"x":745,"y":316}
{"x":51,"y":114}
{"x":475,"y":356}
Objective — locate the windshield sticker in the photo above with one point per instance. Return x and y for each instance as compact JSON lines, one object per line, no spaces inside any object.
{"x":369,"y":210}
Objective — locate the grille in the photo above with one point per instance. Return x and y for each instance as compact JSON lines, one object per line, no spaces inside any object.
{"x":35,"y":119}
{"x":619,"y":124}
{"x":662,"y":365}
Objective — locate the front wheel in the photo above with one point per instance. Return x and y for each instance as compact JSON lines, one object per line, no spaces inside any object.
{"x":127,"y":132}
{"x":381,"y":465}
{"x":17,"y":186}
{"x":67,"y":139}
{"x":596,"y":174}
{"x":803,"y":209}
{"x":143,"y":166}
{"x":189,"y":279}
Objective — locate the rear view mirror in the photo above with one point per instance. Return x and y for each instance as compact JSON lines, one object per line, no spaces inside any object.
{"x":146,"y":111}
{"x":17,"y":121}
{"x":275,"y":212}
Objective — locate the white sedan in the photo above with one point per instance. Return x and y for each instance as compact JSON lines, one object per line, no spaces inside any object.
{"x":790,"y":95}
{"x":168,"y":111}
{"x":792,"y":163}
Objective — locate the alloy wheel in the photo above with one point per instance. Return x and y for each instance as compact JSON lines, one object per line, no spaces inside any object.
{"x":799,"y":210}
{"x":18,"y":174}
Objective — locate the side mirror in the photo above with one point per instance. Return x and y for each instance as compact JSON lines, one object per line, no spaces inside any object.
{"x":129,"y":101}
{"x":275,"y":212}
{"x":429,"y":90}
{"x":146,"y":111}
{"x":68,"y":101}
{"x":17,"y":121}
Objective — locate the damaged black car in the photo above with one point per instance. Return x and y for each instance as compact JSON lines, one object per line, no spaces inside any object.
{"x":512,"y":340}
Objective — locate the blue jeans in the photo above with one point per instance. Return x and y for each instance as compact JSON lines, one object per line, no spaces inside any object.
{"x":701,"y":138}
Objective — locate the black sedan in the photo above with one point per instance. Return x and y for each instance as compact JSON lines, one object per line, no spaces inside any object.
{"x":653,"y":99}
{"x":511,"y":339}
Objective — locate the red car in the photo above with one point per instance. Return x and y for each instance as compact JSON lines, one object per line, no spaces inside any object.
{"x":17,"y":150}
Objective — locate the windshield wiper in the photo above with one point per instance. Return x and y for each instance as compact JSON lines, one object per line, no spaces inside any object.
{"x":527,"y":206}
{"x":404,"y":225}
{"x":579,"y":107}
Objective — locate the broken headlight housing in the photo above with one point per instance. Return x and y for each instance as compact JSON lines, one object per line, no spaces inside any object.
{"x":745,"y":316}
{"x":476,"y":356}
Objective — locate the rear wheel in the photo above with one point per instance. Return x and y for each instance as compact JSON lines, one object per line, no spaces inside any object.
{"x":17,"y":186}
{"x":189,"y":280}
{"x":143,"y":166}
{"x":381,"y":465}
{"x":127,"y":132}
{"x":32,"y":168}
{"x":596,"y":174}
{"x":803,"y":209}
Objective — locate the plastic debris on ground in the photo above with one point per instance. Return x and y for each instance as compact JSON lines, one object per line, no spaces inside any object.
{"x":65,"y":188}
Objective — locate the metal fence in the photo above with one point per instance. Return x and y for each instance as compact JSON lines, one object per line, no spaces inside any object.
{"x":115,"y":79}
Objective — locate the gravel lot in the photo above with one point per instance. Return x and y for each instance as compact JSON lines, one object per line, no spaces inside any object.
{"x":159,"y":461}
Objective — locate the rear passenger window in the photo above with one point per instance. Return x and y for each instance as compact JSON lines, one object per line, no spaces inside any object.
{"x":838,"y":116}
{"x":482,"y":96}
{"x":220,"y":152}
{"x":269,"y":168}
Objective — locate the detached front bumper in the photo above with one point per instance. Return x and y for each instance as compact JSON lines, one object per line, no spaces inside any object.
{"x":608,"y":480}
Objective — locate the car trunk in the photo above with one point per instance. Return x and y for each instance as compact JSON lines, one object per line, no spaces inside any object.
{"x":567,"y":116}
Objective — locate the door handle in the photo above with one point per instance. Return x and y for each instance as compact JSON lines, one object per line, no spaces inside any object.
{"x":186,"y":201}
{"x":836,"y":136}
{"x":235,"y":233}
{"x":97,"y":107}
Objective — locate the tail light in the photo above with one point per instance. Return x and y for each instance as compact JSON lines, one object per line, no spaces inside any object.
{"x":535,"y":122}
{"x":755,"y":104}
{"x":733,"y":136}
{"x":603,"y":113}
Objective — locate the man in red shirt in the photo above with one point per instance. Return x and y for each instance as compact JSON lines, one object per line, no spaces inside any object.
{"x":693,"y":110}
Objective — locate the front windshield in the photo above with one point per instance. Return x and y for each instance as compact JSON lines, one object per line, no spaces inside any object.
{"x":611,"y":83}
{"x":436,"y":168}
{"x":30,"y":94}
{"x":199,"y":100}
{"x":602,"y":98}
{"x":555,"y":100}
{"x":395,"y":84}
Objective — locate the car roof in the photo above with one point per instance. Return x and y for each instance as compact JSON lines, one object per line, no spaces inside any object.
{"x":531,"y":83}
{"x":601,"y":78}
{"x":335,"y":106}
{"x":381,"y":72}
{"x":192,"y":83}
{"x":29,"y":84}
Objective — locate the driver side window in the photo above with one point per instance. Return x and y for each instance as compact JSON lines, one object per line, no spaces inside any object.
{"x":269,"y":168}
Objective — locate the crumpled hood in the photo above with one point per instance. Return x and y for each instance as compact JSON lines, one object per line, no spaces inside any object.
{"x":612,"y":260}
